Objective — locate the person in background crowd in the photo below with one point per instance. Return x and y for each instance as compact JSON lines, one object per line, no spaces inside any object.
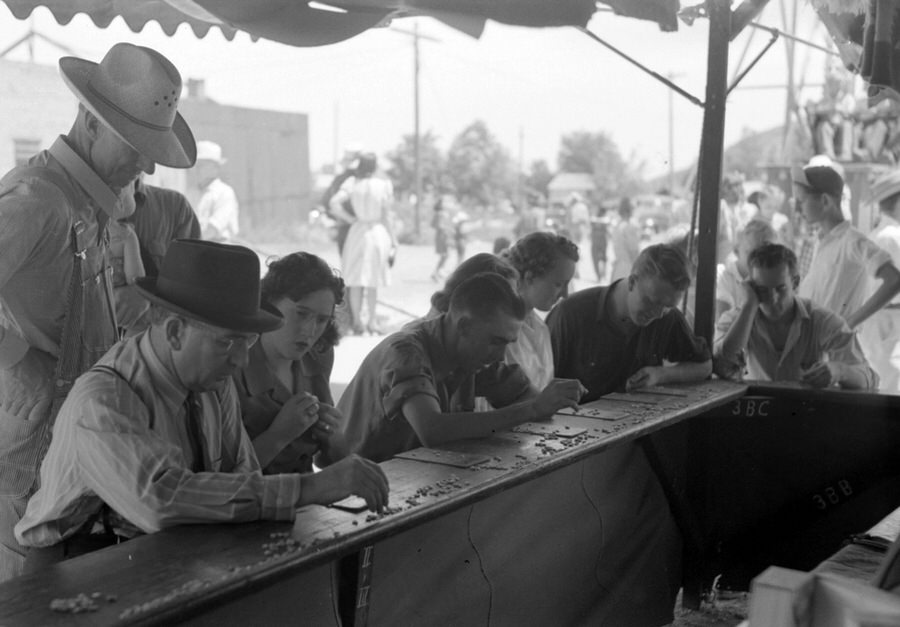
{"x":599,"y":243}
{"x":56,"y":299}
{"x":151,"y":436}
{"x":626,"y":241}
{"x":443,"y":229}
{"x":545,"y":263}
{"x":500,"y":244}
{"x":461,"y":225}
{"x":284,"y":388}
{"x":838,"y":278}
{"x":767,"y":201}
{"x":418,"y":386}
{"x":343,"y":180}
{"x":734,"y":214}
{"x":777,"y":336}
{"x":370,"y":243}
{"x":217,"y":206}
{"x":880,"y":334}
{"x":729,"y":289}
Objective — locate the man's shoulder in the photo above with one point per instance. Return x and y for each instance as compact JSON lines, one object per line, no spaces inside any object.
{"x":36,"y":190}
{"x":588,"y":298}
{"x":167,"y":199}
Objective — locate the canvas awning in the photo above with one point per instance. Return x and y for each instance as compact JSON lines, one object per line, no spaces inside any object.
{"x":306,"y":23}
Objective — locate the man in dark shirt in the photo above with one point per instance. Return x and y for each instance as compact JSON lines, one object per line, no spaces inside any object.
{"x":617,"y":337}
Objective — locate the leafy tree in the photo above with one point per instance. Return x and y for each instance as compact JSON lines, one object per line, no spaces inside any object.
{"x":596,"y":154}
{"x":480,"y":169}
{"x":539,"y":178}
{"x":402,"y":164}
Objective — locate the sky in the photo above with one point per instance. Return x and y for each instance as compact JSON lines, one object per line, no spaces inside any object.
{"x":530,"y":86}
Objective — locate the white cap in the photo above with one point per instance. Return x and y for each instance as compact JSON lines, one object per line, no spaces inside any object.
{"x":210,"y":151}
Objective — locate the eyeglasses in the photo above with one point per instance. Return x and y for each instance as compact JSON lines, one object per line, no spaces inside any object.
{"x":226,"y":343}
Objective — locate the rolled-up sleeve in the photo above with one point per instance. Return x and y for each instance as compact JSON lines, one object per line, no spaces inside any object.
{"x":841,"y":345}
{"x":405,"y":373}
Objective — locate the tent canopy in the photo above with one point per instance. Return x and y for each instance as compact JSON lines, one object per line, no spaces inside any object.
{"x":302,"y":23}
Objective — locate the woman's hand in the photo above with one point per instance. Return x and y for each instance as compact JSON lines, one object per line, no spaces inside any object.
{"x":297,"y":415}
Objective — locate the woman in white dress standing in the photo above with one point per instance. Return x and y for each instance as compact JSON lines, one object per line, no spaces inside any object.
{"x":546,"y":263}
{"x":370,"y":246}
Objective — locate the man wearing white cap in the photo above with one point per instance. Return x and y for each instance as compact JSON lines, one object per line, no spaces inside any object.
{"x":846,"y":260}
{"x":880,"y":334}
{"x":56,"y":305}
{"x":217,"y":207}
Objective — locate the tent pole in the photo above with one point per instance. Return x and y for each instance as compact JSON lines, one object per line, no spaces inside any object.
{"x":695,"y":576}
{"x":710,"y":168}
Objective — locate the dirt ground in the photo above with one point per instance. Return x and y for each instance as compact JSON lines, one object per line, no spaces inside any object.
{"x":727,"y":610}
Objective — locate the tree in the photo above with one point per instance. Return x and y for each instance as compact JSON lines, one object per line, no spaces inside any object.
{"x":480,"y":169}
{"x":596,"y":154}
{"x":539,"y":178}
{"x":402,"y":168}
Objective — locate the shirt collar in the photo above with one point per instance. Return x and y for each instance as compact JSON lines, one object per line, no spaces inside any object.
{"x":87,"y":178}
{"x":165,"y":383}
{"x":257,"y":375}
{"x":835,"y":232}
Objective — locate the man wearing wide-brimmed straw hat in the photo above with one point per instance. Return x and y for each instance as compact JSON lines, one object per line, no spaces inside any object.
{"x":56,"y":307}
{"x":880,"y":334}
{"x":152,"y":435}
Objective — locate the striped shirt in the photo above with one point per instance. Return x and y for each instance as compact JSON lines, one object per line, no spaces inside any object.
{"x":123,"y":440}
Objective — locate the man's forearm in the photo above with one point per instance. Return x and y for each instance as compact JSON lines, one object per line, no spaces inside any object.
{"x":687,"y":372}
{"x":446,"y":427}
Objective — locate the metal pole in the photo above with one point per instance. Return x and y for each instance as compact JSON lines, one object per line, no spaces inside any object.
{"x":416,"y":150}
{"x":710,"y":166}
{"x":671,"y":76}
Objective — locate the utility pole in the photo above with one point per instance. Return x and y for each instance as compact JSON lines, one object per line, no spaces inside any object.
{"x":417,"y":162}
{"x":416,"y":151}
{"x":671,"y":76}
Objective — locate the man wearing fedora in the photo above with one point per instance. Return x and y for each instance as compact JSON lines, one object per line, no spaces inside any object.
{"x":56,"y":307}
{"x":880,"y":333}
{"x":216,"y":205}
{"x":152,"y":437}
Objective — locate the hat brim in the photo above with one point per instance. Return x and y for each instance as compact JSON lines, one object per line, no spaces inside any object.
{"x":266,"y":319}
{"x":173,"y":147}
{"x":882,"y":190}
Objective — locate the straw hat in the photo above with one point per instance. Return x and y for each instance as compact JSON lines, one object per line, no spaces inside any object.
{"x":135,"y":92}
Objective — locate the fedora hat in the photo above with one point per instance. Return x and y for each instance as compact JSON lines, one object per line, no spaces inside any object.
{"x":210,"y":151}
{"x":135,"y":92}
{"x":214,"y":283}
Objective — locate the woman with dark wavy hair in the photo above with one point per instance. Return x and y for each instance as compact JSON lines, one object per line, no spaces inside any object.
{"x":286,"y":401}
{"x":480,"y":262}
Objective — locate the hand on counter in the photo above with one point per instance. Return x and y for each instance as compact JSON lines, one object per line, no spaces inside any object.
{"x":647,"y":376}
{"x":351,"y":475}
{"x":558,"y":394}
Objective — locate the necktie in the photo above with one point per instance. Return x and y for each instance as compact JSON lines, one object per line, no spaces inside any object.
{"x":193,"y":415}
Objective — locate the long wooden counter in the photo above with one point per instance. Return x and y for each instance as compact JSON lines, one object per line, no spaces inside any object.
{"x":225,"y":574}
